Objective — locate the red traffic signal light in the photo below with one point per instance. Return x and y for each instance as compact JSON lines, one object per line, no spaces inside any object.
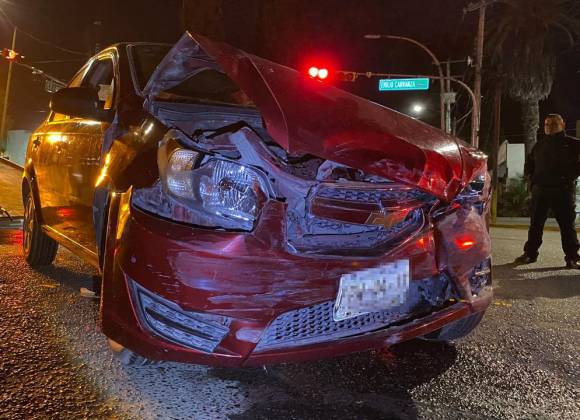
{"x":318,"y":73}
{"x":11,"y":55}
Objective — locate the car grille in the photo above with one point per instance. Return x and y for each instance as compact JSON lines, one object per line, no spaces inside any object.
{"x":315,"y":324}
{"x":353,"y":221}
{"x":371,"y":196}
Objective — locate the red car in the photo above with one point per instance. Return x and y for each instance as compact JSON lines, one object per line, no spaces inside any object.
{"x":241,"y":213}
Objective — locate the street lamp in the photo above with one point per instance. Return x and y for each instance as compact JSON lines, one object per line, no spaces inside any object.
{"x":417,"y":109}
{"x":433,"y":57}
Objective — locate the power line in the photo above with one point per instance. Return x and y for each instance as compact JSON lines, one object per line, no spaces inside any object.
{"x":41,"y":41}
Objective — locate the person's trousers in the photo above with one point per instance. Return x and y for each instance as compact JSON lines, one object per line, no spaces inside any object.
{"x":562,"y":202}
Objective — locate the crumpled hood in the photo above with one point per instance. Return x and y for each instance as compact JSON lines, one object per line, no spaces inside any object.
{"x":306,"y":116}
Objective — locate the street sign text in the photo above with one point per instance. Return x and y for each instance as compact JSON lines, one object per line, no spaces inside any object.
{"x":403,"y":84}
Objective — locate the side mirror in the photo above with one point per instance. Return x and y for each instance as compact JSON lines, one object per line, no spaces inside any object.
{"x":80,"y":102}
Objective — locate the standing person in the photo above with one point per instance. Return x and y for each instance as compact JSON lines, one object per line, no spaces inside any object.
{"x":552,"y":169}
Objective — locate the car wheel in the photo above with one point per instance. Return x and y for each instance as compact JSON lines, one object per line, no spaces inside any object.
{"x":457,"y":329}
{"x":39,"y":249}
{"x":128,"y":357}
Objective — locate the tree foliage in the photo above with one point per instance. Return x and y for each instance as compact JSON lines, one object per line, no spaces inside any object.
{"x":524,"y":39}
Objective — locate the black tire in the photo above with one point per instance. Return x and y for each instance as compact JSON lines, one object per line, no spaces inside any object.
{"x":128,"y":357}
{"x":457,"y":329}
{"x":38,"y":248}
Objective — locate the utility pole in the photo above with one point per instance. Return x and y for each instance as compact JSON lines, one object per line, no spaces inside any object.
{"x":449,"y":96}
{"x":471,"y":7}
{"x":495,"y":150}
{"x":3,"y":131}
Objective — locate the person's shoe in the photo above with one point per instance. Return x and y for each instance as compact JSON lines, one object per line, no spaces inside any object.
{"x":525,"y":259}
{"x":573,"y":264}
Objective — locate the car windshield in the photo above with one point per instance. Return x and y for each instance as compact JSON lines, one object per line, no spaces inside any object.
{"x":206,"y":86}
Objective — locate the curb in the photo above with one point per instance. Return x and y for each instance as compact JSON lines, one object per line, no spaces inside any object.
{"x":10,"y":163}
{"x":526,"y":227}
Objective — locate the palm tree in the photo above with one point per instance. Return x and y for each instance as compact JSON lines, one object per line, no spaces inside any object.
{"x":525,"y":38}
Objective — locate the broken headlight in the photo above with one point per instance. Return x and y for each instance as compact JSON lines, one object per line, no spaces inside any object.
{"x":202,"y":191}
{"x":230,"y":191}
{"x":475,"y":194}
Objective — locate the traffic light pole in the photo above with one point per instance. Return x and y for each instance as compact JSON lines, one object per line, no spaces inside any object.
{"x":435,"y":60}
{"x":3,"y":131}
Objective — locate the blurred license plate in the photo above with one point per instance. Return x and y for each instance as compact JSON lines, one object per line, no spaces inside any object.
{"x":372,"y":290}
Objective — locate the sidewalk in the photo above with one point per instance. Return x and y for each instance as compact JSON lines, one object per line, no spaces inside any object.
{"x":524,"y":223}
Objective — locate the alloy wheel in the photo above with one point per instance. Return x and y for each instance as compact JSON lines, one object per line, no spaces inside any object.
{"x":28,"y":225}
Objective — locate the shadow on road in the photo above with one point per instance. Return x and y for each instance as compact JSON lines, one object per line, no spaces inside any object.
{"x":367,"y":385}
{"x":525,"y":282}
{"x":66,"y":277}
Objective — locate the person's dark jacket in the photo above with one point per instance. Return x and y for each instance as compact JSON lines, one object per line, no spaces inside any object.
{"x":554,"y":161}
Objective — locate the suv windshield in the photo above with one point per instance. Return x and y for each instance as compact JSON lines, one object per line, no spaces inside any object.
{"x":207,"y":85}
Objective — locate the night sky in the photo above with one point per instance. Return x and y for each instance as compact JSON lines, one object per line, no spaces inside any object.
{"x":329,"y":30}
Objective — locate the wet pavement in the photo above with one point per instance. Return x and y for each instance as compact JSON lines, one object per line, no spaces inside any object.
{"x":522,"y":362}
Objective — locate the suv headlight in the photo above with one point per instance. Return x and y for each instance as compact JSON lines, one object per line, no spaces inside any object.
{"x":209,"y":192}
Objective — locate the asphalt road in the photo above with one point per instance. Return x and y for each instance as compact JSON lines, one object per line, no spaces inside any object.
{"x":522,"y":362}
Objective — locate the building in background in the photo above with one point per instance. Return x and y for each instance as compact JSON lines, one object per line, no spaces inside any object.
{"x":16,"y":146}
{"x":511,"y":160}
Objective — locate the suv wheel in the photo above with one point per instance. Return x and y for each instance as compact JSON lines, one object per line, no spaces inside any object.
{"x":39,"y":249}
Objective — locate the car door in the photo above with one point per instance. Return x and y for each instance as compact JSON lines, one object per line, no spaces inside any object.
{"x":83,"y":154}
{"x":47,"y":147}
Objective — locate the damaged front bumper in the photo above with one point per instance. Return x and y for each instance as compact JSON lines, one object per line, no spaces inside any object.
{"x":241,"y":299}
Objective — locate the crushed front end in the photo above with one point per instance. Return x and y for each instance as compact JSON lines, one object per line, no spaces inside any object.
{"x":273,"y":235}
{"x":236,"y":255}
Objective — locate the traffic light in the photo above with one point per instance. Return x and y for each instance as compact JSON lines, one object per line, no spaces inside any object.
{"x":11,"y":55}
{"x":318,"y":73}
{"x":346,"y":76}
{"x":325,"y":74}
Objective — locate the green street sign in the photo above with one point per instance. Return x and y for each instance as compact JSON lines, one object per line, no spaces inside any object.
{"x":391,"y":85}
